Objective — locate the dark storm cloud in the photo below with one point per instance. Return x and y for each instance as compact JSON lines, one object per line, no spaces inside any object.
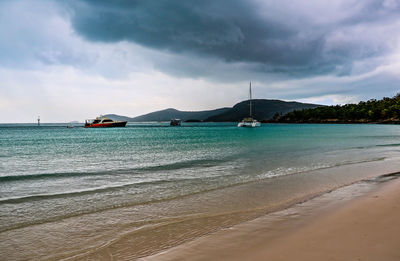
{"x":369,"y":11}
{"x":231,"y":30}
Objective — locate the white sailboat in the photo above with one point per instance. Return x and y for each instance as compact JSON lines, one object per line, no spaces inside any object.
{"x":249,"y":121}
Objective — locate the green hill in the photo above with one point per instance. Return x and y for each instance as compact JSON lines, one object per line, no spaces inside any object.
{"x":386,"y":110}
{"x":262,"y":110}
{"x":168,"y":114}
{"x":118,"y":117}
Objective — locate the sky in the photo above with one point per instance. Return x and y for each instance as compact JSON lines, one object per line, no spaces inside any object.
{"x":76,"y":59}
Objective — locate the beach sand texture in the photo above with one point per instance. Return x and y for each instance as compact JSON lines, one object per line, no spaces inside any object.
{"x":364,"y":228}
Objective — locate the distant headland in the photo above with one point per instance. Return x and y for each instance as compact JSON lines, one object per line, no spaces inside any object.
{"x":262,"y":110}
{"x":386,"y":110}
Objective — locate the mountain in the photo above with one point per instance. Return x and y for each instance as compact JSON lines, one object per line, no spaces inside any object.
{"x":168,"y":114}
{"x":262,"y":110}
{"x":116,"y":117}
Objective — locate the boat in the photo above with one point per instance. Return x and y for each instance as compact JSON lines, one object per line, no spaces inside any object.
{"x":104,"y":122}
{"x":249,"y":121}
{"x":175,"y":122}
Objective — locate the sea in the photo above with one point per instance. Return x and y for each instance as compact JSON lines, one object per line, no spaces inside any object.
{"x":126,"y":193}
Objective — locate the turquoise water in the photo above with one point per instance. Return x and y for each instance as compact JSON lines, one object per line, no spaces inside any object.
{"x":64,"y":172}
{"x":77,"y":188}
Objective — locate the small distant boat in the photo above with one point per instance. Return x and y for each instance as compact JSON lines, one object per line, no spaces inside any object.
{"x":104,"y":122}
{"x":249,"y":121}
{"x":175,"y":122}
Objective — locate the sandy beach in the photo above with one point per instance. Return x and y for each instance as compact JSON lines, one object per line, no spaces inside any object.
{"x":363,"y":228}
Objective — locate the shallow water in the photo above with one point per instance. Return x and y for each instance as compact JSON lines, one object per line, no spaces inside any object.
{"x":149,"y":186}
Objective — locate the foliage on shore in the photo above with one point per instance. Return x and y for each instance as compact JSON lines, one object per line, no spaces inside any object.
{"x":386,"y":110}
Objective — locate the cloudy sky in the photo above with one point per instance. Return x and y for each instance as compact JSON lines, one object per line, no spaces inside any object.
{"x":76,"y":59}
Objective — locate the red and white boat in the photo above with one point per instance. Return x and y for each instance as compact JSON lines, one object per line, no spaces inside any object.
{"x":104,"y":122}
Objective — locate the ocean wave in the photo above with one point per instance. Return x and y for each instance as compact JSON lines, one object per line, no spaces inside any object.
{"x":105,"y":189}
{"x":133,"y":171}
{"x":185,"y":164}
{"x":295,"y":170}
{"x":377,"y":145}
{"x":23,"y":199}
{"x":388,"y":145}
{"x":45,"y":175}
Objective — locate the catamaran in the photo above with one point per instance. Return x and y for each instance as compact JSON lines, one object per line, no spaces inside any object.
{"x":249,"y":121}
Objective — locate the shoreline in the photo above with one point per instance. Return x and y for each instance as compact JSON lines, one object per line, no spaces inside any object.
{"x":127,"y":236}
{"x":334,"y":226}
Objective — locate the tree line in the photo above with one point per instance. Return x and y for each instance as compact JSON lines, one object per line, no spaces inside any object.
{"x":386,"y":110}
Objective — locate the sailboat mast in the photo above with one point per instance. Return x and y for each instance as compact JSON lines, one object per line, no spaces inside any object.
{"x":250,"y":99}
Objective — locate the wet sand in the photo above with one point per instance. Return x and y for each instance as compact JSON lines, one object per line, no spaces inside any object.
{"x":330,"y":227}
{"x":214,"y":225}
